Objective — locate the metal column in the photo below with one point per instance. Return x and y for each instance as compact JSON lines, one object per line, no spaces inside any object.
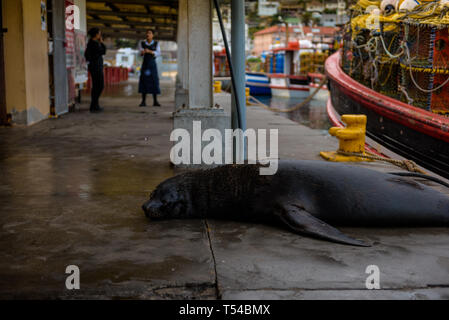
{"x":3,"y":116}
{"x":238,"y":60}
{"x":59,"y":87}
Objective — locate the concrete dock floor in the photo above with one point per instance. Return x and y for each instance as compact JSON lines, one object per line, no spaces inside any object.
{"x":71,"y":191}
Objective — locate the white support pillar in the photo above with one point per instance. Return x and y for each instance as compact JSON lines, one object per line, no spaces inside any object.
{"x":194,"y":92}
{"x":182,"y":80}
{"x":195,"y":53}
{"x":200,"y":53}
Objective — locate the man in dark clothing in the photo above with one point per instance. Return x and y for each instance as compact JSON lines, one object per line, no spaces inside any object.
{"x":94,"y":56}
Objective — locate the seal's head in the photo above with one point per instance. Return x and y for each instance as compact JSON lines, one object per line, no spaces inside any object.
{"x":170,"y":200}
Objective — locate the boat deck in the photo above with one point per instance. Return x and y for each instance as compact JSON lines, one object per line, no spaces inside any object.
{"x":415,"y":133}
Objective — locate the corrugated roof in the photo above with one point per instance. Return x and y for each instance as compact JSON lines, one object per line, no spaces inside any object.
{"x":131,"y":18}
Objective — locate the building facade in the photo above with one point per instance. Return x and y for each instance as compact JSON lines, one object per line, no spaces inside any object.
{"x":40,"y":57}
{"x":266,"y":38}
{"x":315,"y":6}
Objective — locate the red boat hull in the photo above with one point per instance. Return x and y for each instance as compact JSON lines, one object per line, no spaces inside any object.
{"x":414,"y":133}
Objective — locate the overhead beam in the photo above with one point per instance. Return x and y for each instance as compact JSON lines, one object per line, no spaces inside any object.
{"x":166,"y":3}
{"x":124,"y":35}
{"x":115,"y":9}
{"x":136,"y":30}
{"x":112,"y":6}
{"x":135,"y":34}
{"x":131,"y":23}
{"x":130,"y":14}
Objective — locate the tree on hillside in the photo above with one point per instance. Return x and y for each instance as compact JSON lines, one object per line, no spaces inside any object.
{"x":306,"y":18}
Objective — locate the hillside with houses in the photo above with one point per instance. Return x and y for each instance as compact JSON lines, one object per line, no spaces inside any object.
{"x":270,"y":22}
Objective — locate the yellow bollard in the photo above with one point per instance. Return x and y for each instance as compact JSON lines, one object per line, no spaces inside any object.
{"x":352,"y":139}
{"x":217,"y":86}
{"x":247,"y":95}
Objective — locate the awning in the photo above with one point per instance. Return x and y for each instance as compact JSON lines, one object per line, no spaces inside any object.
{"x":131,"y":18}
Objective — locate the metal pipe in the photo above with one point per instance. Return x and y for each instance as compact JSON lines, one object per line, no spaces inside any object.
{"x":238,"y":57}
{"x":3,"y":115}
{"x":231,"y":69}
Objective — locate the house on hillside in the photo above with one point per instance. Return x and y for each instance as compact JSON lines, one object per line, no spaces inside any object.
{"x":331,"y":5}
{"x":329,"y":19}
{"x":315,"y":6}
{"x":265,"y":39}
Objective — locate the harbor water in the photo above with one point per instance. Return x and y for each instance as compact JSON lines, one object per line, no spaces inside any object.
{"x":312,"y":114}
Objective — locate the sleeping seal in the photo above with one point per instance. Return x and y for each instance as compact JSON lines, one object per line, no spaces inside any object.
{"x":307,"y":196}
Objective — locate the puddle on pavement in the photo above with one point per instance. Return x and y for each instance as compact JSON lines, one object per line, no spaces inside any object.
{"x":84,"y":211}
{"x":80,"y":176}
{"x":130,"y":88}
{"x":65,"y":202}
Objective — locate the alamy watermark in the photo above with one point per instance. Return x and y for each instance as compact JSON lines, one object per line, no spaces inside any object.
{"x":72,"y":17}
{"x":189,"y":149}
{"x":373,"y":280}
{"x":72,"y":282}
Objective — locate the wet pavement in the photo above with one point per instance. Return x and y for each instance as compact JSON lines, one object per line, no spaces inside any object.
{"x":71,"y":193}
{"x":71,"y":190}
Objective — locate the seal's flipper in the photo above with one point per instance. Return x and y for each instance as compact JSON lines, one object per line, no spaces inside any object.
{"x":301,"y":221}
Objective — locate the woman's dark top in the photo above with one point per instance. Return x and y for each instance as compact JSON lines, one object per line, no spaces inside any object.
{"x":149,"y":78}
{"x":94,"y":54}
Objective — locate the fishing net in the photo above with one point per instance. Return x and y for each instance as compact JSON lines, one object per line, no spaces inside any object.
{"x":305,"y":62}
{"x":441,"y":51}
{"x":388,"y":77}
{"x":347,"y":51}
{"x":420,"y":41}
{"x":360,"y":58}
{"x":410,"y":92}
{"x":318,"y":62}
{"x":386,"y":72}
{"x":426,"y":64}
{"x":440,"y":97}
{"x":403,"y":55}
{"x":360,"y":6}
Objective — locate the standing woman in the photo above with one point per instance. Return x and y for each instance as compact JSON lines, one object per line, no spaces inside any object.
{"x":149,"y":78}
{"x":94,"y":56}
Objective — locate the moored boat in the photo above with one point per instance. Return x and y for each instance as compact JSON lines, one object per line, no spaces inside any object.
{"x":258,"y":83}
{"x":417,"y":134}
{"x":287,"y":78}
{"x":394,"y":68}
{"x":289,"y":86}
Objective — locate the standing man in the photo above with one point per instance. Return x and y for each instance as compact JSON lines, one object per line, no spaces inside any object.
{"x":94,"y":56}
{"x":149,"y":78}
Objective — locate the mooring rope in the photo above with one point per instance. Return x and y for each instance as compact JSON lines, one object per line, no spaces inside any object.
{"x":408,"y":165}
{"x":298,"y":106}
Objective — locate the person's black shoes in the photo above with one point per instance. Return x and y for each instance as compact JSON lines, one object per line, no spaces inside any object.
{"x":156,"y":104}
{"x":143,"y":104}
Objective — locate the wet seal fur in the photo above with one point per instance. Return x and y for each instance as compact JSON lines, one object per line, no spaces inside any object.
{"x":307,"y":196}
